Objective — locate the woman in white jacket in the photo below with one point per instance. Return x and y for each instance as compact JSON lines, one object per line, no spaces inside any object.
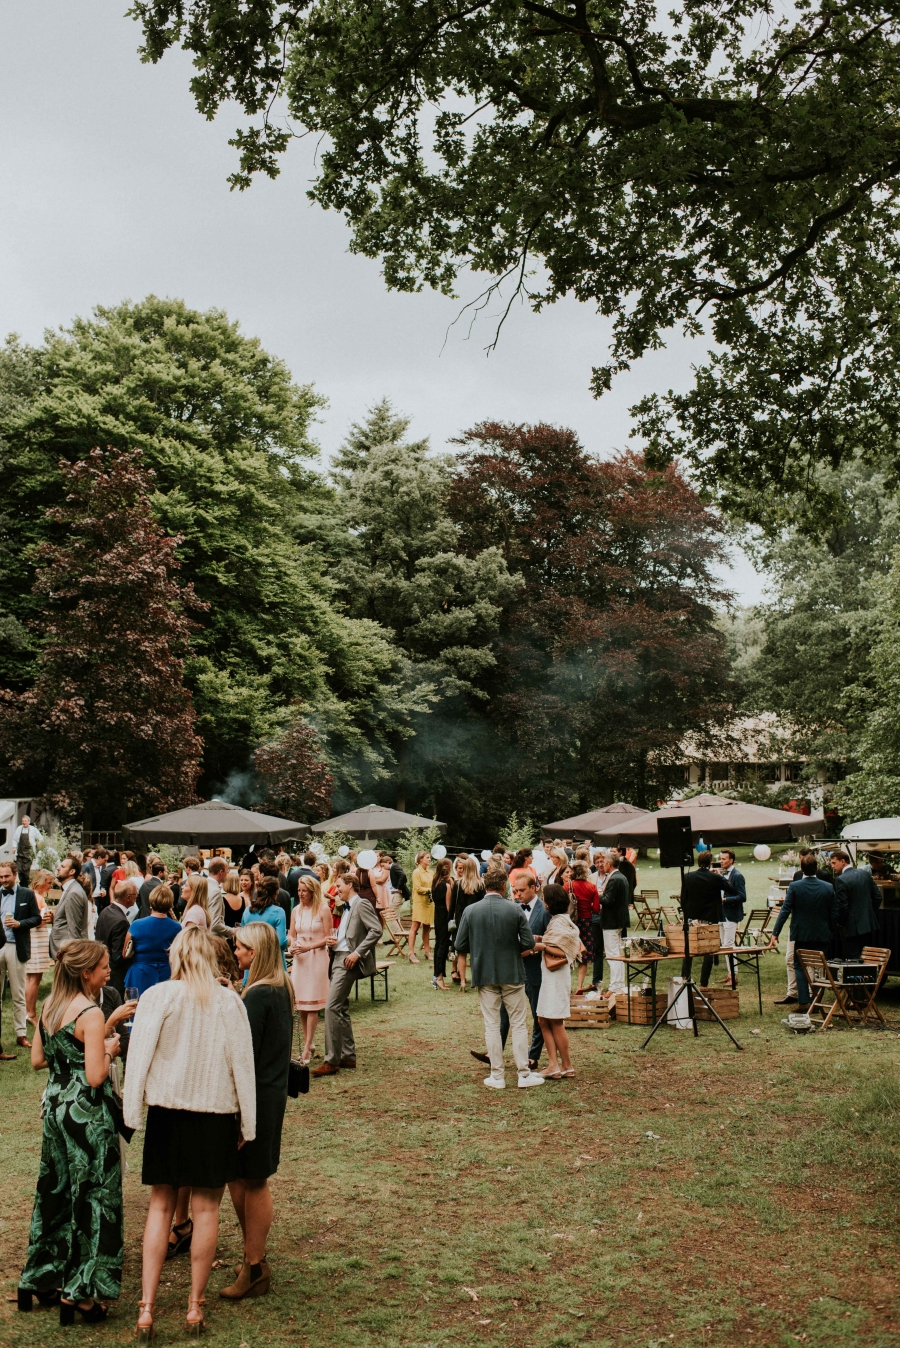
{"x":190,"y":1060}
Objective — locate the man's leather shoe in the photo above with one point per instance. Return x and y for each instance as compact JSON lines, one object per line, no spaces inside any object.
{"x":481,"y":1057}
{"x":7,"y":1057}
{"x":784,"y":1001}
{"x":326,"y":1070}
{"x":23,"y":1042}
{"x":348,"y":1062}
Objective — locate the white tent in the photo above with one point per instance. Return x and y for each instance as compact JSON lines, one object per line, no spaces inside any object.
{"x":874,"y":835}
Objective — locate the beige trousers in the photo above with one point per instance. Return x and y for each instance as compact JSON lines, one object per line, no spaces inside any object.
{"x":11,"y":968}
{"x":512,"y":996}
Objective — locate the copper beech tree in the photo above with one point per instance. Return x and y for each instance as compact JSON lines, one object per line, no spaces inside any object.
{"x":294,"y":773}
{"x":107,"y":730}
{"x":612,"y":654}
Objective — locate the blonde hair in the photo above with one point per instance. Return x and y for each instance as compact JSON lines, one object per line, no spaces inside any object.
{"x":315,"y":888}
{"x":132,"y":869}
{"x":39,"y":877}
{"x":73,"y":961}
{"x":267,"y":968}
{"x":199,"y":894}
{"x":232,"y":883}
{"x":193,"y":961}
{"x":470,"y":879}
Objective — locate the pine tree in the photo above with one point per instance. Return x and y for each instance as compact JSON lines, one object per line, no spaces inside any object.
{"x":107,"y":731}
{"x":381,"y":427}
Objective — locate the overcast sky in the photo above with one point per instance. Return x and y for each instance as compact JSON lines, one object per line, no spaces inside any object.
{"x":115,"y":188}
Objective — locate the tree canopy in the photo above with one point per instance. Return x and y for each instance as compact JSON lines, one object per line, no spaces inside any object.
{"x":721,"y":168}
{"x":107,"y":730}
{"x":226,"y":432}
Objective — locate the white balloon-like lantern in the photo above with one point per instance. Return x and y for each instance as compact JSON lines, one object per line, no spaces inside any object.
{"x":438,"y":852}
{"x":762,"y":852}
{"x":486,"y":855}
{"x":367,"y":859}
{"x":343,"y":850}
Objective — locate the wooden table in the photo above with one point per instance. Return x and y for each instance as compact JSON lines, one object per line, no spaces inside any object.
{"x":636,"y":964}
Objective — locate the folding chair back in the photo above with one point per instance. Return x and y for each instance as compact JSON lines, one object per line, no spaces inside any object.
{"x":650,"y":895}
{"x":670,"y":914}
{"x":868,"y":1008}
{"x":646,"y":918}
{"x":820,"y":980}
{"x":393,"y":928}
{"x":758,"y":920}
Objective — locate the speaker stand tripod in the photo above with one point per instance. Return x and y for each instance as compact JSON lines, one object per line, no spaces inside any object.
{"x":692,"y":990}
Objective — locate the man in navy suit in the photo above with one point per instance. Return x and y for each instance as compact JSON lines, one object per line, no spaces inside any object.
{"x":815,"y":910}
{"x":19,"y":913}
{"x":525,"y":893}
{"x":861,"y":899}
{"x":732,"y":907}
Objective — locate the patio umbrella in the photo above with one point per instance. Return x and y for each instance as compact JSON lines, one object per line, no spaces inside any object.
{"x":587,"y":825}
{"x":214,"y":823}
{"x":374,"y":821}
{"x":717,"y":820}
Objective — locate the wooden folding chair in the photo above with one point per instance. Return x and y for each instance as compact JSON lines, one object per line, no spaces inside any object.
{"x":646,"y":918}
{"x":759,"y":920}
{"x":818,"y":976}
{"x":670,"y":914}
{"x":394,"y":932}
{"x":865,"y":1004}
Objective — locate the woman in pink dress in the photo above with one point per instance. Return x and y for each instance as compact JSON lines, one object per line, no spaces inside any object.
{"x":311,"y":934}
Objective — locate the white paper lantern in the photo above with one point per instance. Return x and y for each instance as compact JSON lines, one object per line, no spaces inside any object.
{"x":486,"y":855}
{"x":343,"y":850}
{"x":762,"y":852}
{"x":367,"y":859}
{"x":438,"y":852}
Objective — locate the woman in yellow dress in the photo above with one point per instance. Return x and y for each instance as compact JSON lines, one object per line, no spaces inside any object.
{"x":422,"y":907}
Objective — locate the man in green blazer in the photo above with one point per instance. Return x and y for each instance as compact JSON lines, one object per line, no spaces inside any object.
{"x":494,"y":932}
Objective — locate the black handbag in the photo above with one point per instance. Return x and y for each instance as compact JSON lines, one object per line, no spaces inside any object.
{"x":298,"y":1078}
{"x":114,"y":1105}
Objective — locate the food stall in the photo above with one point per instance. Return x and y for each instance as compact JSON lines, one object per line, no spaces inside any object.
{"x":876,"y":842}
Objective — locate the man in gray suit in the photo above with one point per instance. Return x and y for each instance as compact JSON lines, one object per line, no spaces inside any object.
{"x":860,"y":898}
{"x":70,"y":921}
{"x":354,"y":957}
{"x":495,"y":932}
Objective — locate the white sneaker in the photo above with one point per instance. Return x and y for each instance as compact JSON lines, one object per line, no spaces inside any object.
{"x":497,"y":1083}
{"x":531,"y":1079}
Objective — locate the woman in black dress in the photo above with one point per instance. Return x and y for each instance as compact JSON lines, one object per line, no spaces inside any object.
{"x":468,"y":888}
{"x":442,"y":898}
{"x":269,"y":1002}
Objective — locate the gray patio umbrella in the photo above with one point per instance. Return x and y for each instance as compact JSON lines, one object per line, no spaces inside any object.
{"x":214,"y":823}
{"x":374,"y":821}
{"x":718,"y":820}
{"x":589,"y":824}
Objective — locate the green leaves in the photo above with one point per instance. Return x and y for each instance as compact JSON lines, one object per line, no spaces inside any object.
{"x":720,"y":171}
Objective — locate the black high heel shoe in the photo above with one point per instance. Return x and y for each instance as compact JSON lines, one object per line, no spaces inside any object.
{"x":25,"y":1297}
{"x":91,"y":1315}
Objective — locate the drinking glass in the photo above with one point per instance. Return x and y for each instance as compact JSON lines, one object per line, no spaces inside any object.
{"x":131,"y":995}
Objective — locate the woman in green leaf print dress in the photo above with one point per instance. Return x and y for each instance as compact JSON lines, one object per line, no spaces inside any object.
{"x":75,"y":1249}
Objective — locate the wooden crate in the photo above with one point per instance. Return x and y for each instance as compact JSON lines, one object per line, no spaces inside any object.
{"x":588,"y":1015}
{"x":725,"y":1000}
{"x":644,"y":1009}
{"x":704,"y":938}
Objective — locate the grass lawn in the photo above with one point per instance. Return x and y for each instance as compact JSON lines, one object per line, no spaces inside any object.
{"x":686,"y":1195}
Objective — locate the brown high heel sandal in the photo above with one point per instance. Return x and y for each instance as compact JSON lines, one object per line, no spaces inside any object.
{"x":194,"y":1328}
{"x":144,"y":1333}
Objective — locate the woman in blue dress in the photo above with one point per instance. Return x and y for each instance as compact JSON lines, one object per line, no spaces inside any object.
{"x":150,"y":939}
{"x":265,"y":907}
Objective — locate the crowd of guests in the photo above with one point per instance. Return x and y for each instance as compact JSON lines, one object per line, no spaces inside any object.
{"x":175,"y":992}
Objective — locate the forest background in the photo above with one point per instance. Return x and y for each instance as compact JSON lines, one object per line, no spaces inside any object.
{"x":191,"y":604}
